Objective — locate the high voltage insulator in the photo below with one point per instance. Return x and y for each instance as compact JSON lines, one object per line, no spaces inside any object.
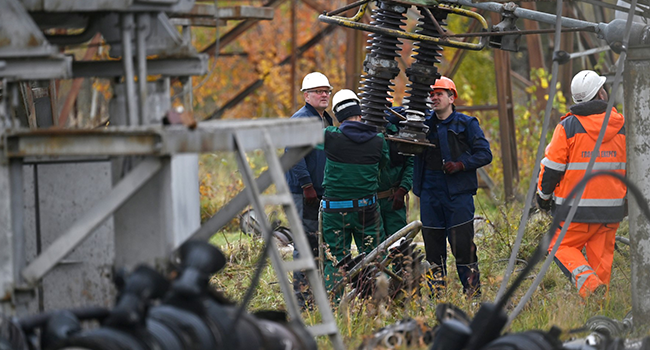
{"x":422,"y":74}
{"x":380,"y":64}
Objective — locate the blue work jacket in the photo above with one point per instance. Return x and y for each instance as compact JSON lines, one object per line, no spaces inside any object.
{"x":461,"y":139}
{"x":310,"y":169}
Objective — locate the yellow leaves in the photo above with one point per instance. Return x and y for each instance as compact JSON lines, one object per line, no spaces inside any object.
{"x":205,"y":191}
{"x":264,"y":68}
{"x":560,"y":102}
{"x":531,"y":89}
{"x":544,"y":82}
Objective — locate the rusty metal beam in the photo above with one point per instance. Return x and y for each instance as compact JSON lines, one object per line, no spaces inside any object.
{"x":228,"y":12}
{"x":28,"y":102}
{"x":240,"y":29}
{"x":353,"y":58}
{"x":522,"y":80}
{"x":314,"y":5}
{"x":260,"y":82}
{"x":455,"y":63}
{"x":534,"y":44}
{"x":294,"y":43}
{"x":535,"y":55}
{"x":459,"y":55}
{"x":506,"y":118}
{"x":588,"y":41}
{"x":565,"y":73}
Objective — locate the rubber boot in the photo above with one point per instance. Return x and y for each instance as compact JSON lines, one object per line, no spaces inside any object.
{"x":436,"y":278}
{"x":301,"y":286}
{"x":470,"y":277}
{"x":435,"y":246}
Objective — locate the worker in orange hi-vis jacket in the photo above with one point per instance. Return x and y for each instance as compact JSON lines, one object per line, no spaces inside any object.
{"x":603,"y":202}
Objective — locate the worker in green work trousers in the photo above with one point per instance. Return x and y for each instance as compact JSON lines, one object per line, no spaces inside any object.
{"x":355,"y":152}
{"x":395,"y":182}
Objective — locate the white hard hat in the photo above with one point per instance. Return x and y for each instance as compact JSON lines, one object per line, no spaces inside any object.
{"x":346,"y":105}
{"x":344,"y":95}
{"x":585,"y":85}
{"x":314,"y":80}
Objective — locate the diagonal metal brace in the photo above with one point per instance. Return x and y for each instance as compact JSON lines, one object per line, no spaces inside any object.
{"x":239,"y":202}
{"x":83,"y":227}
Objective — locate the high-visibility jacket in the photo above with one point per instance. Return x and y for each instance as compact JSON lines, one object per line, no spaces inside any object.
{"x":567,"y":157}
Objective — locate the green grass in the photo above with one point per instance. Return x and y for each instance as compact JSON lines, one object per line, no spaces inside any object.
{"x":555,"y":302}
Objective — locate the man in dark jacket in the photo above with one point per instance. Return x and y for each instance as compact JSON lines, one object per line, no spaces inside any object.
{"x":305,"y":179}
{"x":444,"y":177}
{"x":355,"y":154}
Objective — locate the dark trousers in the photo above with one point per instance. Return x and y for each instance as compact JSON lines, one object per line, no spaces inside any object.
{"x":309,"y":215}
{"x":461,"y":240}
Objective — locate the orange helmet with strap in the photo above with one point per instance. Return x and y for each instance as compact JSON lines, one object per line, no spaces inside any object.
{"x":445,"y":83}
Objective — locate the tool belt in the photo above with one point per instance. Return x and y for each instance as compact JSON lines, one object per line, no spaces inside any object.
{"x":385,"y":194}
{"x":338,"y":205}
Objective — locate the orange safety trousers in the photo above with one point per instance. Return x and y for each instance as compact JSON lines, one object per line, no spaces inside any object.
{"x":598,"y":239}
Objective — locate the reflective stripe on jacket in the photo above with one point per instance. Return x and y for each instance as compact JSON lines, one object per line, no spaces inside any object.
{"x":567,"y":157}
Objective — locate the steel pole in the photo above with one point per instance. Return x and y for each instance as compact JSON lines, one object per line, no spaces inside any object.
{"x":637,"y":115}
{"x":128,"y":24}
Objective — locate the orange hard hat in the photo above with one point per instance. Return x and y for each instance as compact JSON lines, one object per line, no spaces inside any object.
{"x":445,"y":83}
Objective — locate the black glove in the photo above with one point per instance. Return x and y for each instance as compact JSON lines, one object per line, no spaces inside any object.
{"x":544,"y":204}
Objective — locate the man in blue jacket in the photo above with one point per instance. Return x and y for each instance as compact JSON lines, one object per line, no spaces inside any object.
{"x":444,"y":177}
{"x":305,"y":179}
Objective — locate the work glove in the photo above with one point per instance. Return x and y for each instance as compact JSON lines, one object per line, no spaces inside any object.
{"x":398,"y":198}
{"x":309,"y":194}
{"x":544,"y":204}
{"x":453,"y":167}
